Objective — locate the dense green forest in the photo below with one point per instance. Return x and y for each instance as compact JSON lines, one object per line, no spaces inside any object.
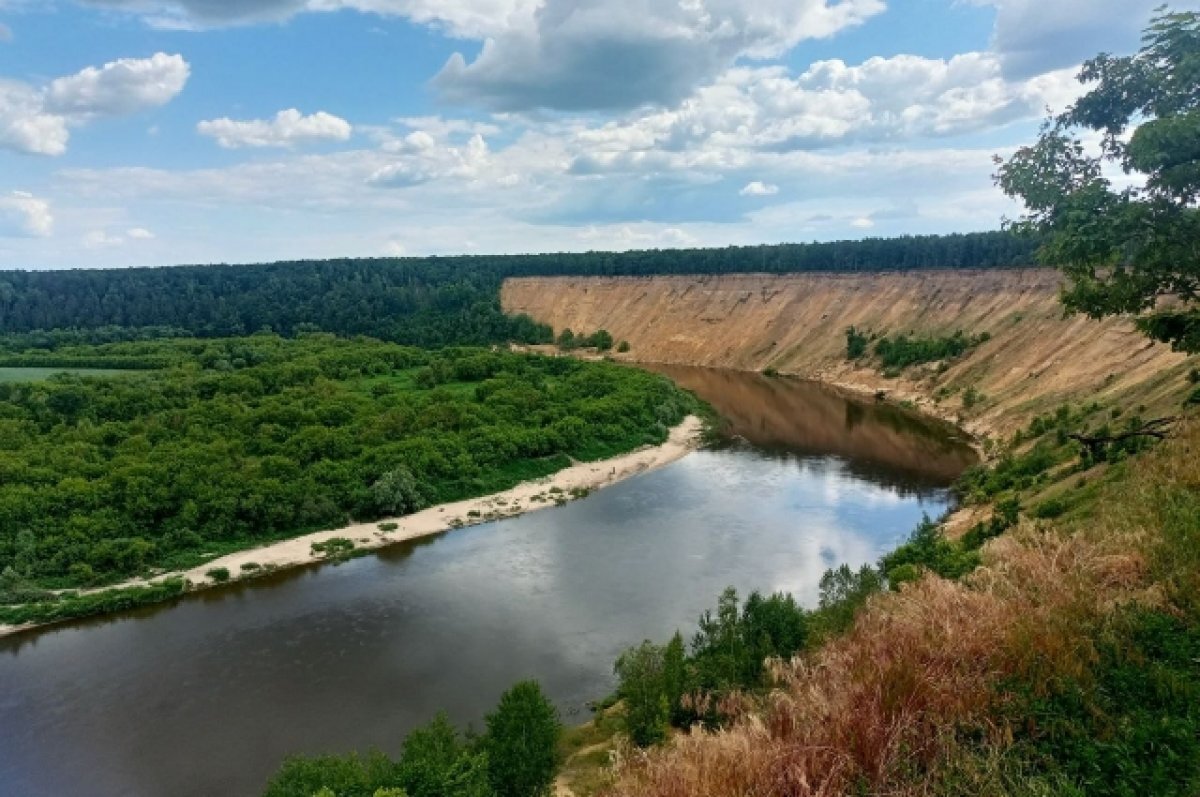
{"x":418,"y":301}
{"x":231,"y":442}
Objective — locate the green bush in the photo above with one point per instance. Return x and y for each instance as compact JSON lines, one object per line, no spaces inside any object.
{"x":928,"y":549}
{"x":903,"y":351}
{"x":218,"y":574}
{"x":856,"y":344}
{"x":1132,"y":726}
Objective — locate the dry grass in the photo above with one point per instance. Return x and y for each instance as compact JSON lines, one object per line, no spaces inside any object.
{"x":890,"y":708}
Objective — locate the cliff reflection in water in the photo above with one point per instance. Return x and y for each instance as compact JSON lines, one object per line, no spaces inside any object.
{"x":879,"y":441}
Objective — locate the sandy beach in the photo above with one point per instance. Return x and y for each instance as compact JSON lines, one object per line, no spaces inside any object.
{"x":525,"y":497}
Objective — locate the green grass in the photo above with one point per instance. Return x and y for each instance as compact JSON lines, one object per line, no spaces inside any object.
{"x":42,"y":374}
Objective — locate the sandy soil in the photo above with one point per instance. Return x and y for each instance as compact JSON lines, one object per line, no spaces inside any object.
{"x":1035,"y":360}
{"x":525,"y":497}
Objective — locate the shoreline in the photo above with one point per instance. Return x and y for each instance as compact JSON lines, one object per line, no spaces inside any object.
{"x":556,"y":489}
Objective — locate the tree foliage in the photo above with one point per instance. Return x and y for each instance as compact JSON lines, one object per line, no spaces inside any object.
{"x":433,"y":301}
{"x":641,"y":672}
{"x":244,"y":440}
{"x":520,"y":742}
{"x":1132,"y":249}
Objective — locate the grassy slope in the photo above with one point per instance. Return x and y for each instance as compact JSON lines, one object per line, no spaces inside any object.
{"x":1068,"y":664}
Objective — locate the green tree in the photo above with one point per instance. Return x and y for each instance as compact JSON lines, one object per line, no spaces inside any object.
{"x":717,"y":649}
{"x":429,"y":758}
{"x":642,"y":674}
{"x":1125,"y":250}
{"x":397,"y":492}
{"x":602,"y":340}
{"x":675,"y":680}
{"x":520,"y":742}
{"x":344,"y":776}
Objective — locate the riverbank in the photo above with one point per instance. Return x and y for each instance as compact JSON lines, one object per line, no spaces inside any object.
{"x":572,"y":482}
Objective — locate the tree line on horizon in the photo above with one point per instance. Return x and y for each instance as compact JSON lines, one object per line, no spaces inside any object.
{"x":430,"y":301}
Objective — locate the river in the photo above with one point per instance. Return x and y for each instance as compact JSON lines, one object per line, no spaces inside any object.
{"x":206,"y":696}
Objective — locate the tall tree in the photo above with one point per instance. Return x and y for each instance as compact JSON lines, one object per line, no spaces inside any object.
{"x":641,"y":671}
{"x":1131,"y":247}
{"x":520,"y":742}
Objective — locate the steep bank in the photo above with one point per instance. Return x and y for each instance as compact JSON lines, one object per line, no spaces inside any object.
{"x":1035,"y":360}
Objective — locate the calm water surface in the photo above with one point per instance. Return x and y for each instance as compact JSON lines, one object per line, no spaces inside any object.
{"x":207,"y":696}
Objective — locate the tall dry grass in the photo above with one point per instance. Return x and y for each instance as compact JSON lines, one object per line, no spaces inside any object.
{"x":890,"y":708}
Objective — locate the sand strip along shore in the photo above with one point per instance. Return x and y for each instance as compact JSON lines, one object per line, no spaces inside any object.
{"x":525,"y":497}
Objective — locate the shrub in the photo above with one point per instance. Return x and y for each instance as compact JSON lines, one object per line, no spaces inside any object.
{"x":520,"y":742}
{"x":856,"y":344}
{"x":251,"y":566}
{"x":623,"y":347}
{"x":218,"y":574}
{"x":1132,"y":727}
{"x":927,"y":549}
{"x":903,"y":351}
{"x":335,"y":547}
{"x":388,"y":526}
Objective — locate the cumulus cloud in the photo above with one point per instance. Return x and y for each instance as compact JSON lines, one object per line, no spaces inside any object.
{"x":288,"y":129}
{"x":24,"y":215}
{"x":120,"y":87}
{"x":767,"y":109}
{"x":140,"y":234}
{"x":191,"y":13}
{"x":38,"y":121}
{"x":6,"y":34}
{"x":606,"y":54}
{"x":759,"y":188}
{"x":425,"y":160}
{"x":25,"y":126}
{"x":1035,"y":36}
{"x":463,"y":18}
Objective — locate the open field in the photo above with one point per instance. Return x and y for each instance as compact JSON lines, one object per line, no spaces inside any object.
{"x":40,"y":374}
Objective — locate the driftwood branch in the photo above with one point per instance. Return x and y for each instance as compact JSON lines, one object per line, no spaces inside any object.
{"x":1157,"y":428}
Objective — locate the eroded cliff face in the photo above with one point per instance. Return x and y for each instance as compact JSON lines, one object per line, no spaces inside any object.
{"x":1035,"y":360}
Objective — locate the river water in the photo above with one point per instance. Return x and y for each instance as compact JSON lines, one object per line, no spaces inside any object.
{"x":206,"y":696}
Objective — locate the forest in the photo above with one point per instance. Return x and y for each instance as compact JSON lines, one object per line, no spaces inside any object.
{"x":433,"y":301}
{"x":232,"y":442}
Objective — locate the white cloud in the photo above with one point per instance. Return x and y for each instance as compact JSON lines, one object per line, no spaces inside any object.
{"x":461,"y":18}
{"x":765,"y":109}
{"x":23,"y":214}
{"x":289,"y":128}
{"x":6,"y":34}
{"x":120,"y":87}
{"x":604,"y":54}
{"x":24,"y":124}
{"x":1036,"y":36}
{"x":139,"y":234}
{"x":101,"y":239}
{"x":759,"y":188}
{"x":38,"y":121}
{"x":422,"y":160}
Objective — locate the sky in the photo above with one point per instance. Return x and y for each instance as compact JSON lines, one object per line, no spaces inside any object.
{"x":156,"y":132}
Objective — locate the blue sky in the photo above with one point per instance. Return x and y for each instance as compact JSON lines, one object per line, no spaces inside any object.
{"x":151,"y":132}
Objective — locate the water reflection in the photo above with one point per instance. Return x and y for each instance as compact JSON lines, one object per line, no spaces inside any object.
{"x":879,"y":441}
{"x":206,"y":697}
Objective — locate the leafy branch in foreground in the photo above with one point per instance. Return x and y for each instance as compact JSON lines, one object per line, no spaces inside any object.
{"x":1132,"y":250}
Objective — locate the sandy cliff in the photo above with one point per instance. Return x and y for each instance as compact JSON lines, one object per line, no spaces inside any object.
{"x":1035,"y":360}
